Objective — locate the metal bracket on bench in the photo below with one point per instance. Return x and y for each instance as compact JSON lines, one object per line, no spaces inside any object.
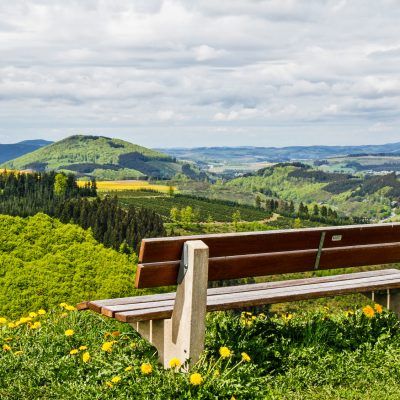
{"x":184,"y":265}
{"x":321,"y":245}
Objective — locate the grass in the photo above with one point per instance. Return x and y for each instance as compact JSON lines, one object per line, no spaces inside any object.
{"x":323,"y":354}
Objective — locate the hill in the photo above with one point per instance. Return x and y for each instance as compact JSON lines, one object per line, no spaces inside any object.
{"x":248,"y":154}
{"x":43,"y":261}
{"x":356,"y":196}
{"x":101,"y":157}
{"x":10,"y":151}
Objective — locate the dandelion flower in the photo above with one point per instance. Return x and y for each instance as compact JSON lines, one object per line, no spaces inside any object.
{"x":378,"y":308}
{"x":246,"y":357}
{"x":175,"y":363}
{"x":3,"y":320}
{"x":33,"y":315}
{"x":69,"y":332}
{"x":8,"y":339}
{"x":81,"y":348}
{"x":107,"y":346}
{"x":18,"y":353}
{"x":86,"y":357}
{"x":73,"y":352}
{"x":368,"y":311}
{"x":36,"y":325}
{"x":196,"y":379}
{"x":41,"y":312}
{"x":70,"y":308}
{"x":11,"y":325}
{"x":127,"y":369}
{"x":116,"y":379}
{"x":64,"y":314}
{"x":63,"y":305}
{"x":146,"y":368}
{"x":224,"y":352}
{"x":6,"y":347}
{"x":109,"y":384}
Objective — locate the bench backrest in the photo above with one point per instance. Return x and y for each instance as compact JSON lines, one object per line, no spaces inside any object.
{"x":241,"y":255}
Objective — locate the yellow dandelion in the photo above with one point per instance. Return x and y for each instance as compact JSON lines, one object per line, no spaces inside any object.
{"x":368,"y":311}
{"x":63,"y":305}
{"x":130,"y":368}
{"x":6,"y":347}
{"x":116,"y":379}
{"x":33,"y":315}
{"x":146,"y":368}
{"x":196,"y":379}
{"x":41,"y":312}
{"x":246,"y":357}
{"x":69,"y":332}
{"x":109,"y":384}
{"x":224,"y":352}
{"x":18,"y":353}
{"x":70,"y":308}
{"x":175,"y":363}
{"x":8,"y":339}
{"x":86,"y":357}
{"x":3,"y":320}
{"x":73,"y":352}
{"x":81,"y":348}
{"x":64,"y":314}
{"x":107,"y":346}
{"x":11,"y":325}
{"x":378,"y":308}
{"x":36,"y":325}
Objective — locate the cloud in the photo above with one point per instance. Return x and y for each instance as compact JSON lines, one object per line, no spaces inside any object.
{"x":267,"y":72}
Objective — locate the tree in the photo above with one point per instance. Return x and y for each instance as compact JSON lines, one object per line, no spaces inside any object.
{"x":60,"y":184}
{"x":174,"y":214}
{"x":258,"y":201}
{"x":236,"y":217}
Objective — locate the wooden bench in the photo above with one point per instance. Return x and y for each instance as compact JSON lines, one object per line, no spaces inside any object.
{"x":175,"y":322}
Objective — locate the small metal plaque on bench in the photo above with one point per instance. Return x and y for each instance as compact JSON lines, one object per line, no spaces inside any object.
{"x":336,"y":238}
{"x":184,"y":264}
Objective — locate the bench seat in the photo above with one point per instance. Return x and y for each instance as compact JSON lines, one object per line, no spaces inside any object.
{"x":160,"y":306}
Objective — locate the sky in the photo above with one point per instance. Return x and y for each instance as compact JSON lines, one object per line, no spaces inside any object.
{"x":169,"y":73}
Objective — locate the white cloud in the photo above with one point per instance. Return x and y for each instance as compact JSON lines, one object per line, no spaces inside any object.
{"x":265,"y":71}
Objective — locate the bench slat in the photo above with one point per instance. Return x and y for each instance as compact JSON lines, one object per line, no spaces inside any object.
{"x":242,"y":266}
{"x":272,"y":295}
{"x":110,"y":307}
{"x":223,"y":245}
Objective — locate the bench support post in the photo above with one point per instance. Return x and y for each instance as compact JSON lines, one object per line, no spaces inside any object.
{"x":389,"y":298}
{"x":183,"y":335}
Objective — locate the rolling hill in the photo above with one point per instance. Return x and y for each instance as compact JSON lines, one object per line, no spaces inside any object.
{"x":10,"y":151}
{"x":103,"y":158}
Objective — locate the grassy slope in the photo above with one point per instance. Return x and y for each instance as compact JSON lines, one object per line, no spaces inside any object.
{"x":43,"y":261}
{"x":307,"y":191}
{"x":318,"y":355}
{"x":88,"y":149}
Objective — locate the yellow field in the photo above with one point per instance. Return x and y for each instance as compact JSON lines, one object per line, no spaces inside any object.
{"x":107,"y":186}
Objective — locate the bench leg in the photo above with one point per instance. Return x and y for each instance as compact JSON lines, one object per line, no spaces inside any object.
{"x":183,"y":335}
{"x":389,"y":298}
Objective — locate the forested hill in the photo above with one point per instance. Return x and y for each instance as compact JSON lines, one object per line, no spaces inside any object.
{"x":10,"y":151}
{"x":103,"y":158}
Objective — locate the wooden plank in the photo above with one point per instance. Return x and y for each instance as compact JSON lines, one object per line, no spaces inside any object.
{"x":242,"y":266}
{"x":132,"y":303}
{"x":271,"y":296}
{"x":222,"y":245}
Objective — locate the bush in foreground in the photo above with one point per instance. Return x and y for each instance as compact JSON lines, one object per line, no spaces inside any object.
{"x":65,"y":354}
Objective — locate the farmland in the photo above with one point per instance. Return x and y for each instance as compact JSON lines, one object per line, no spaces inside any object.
{"x":125,"y":185}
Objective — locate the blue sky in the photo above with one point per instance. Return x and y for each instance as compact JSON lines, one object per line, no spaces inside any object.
{"x":201,"y":73}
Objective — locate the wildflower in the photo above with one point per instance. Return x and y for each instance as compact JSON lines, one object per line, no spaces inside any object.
{"x":175,"y":363}
{"x":107,"y":346}
{"x":81,"y":348}
{"x":63,"y":305}
{"x":109,"y":384}
{"x":18,"y":353}
{"x":3,"y":320}
{"x":246,"y":357}
{"x":8,"y":339}
{"x":378,"y":308}
{"x":73,"y":352}
{"x":224,"y":352}
{"x":86,"y":357}
{"x":368,"y":311}
{"x":33,"y":315}
{"x":116,"y":379}
{"x":116,"y":333}
{"x":146,"y":368}
{"x":70,"y":308}
{"x":287,"y":317}
{"x":127,"y":369}
{"x":11,"y":325}
{"x":6,"y":347}
{"x":196,"y":379}
{"x":36,"y":325}
{"x":64,"y":314}
{"x":41,"y":312}
{"x":69,"y":332}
